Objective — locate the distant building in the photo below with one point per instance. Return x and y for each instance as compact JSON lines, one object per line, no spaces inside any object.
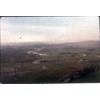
{"x":84,"y":55}
{"x":32,"y":52}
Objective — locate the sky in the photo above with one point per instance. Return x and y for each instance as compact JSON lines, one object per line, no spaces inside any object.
{"x":49,"y":29}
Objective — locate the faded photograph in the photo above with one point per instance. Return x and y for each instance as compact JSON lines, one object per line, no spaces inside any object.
{"x":50,"y":49}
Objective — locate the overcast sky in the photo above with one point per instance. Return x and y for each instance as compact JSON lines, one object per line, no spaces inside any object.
{"x":49,"y":29}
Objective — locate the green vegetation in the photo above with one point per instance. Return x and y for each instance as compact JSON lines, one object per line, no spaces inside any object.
{"x":91,"y":78}
{"x":49,"y":64}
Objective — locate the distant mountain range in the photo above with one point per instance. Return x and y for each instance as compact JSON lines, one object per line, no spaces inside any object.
{"x":84,"y":44}
{"x":81,"y":44}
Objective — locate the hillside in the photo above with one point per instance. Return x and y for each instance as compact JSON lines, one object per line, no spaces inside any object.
{"x":82,"y":44}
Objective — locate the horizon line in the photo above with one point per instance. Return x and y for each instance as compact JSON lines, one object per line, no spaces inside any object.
{"x":42,"y":42}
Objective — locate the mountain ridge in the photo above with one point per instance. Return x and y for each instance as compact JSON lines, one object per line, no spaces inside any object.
{"x":81,"y":44}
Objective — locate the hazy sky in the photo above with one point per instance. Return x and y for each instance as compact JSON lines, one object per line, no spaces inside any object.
{"x":49,"y":29}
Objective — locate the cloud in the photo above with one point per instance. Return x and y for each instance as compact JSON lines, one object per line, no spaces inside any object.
{"x":49,"y":29}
